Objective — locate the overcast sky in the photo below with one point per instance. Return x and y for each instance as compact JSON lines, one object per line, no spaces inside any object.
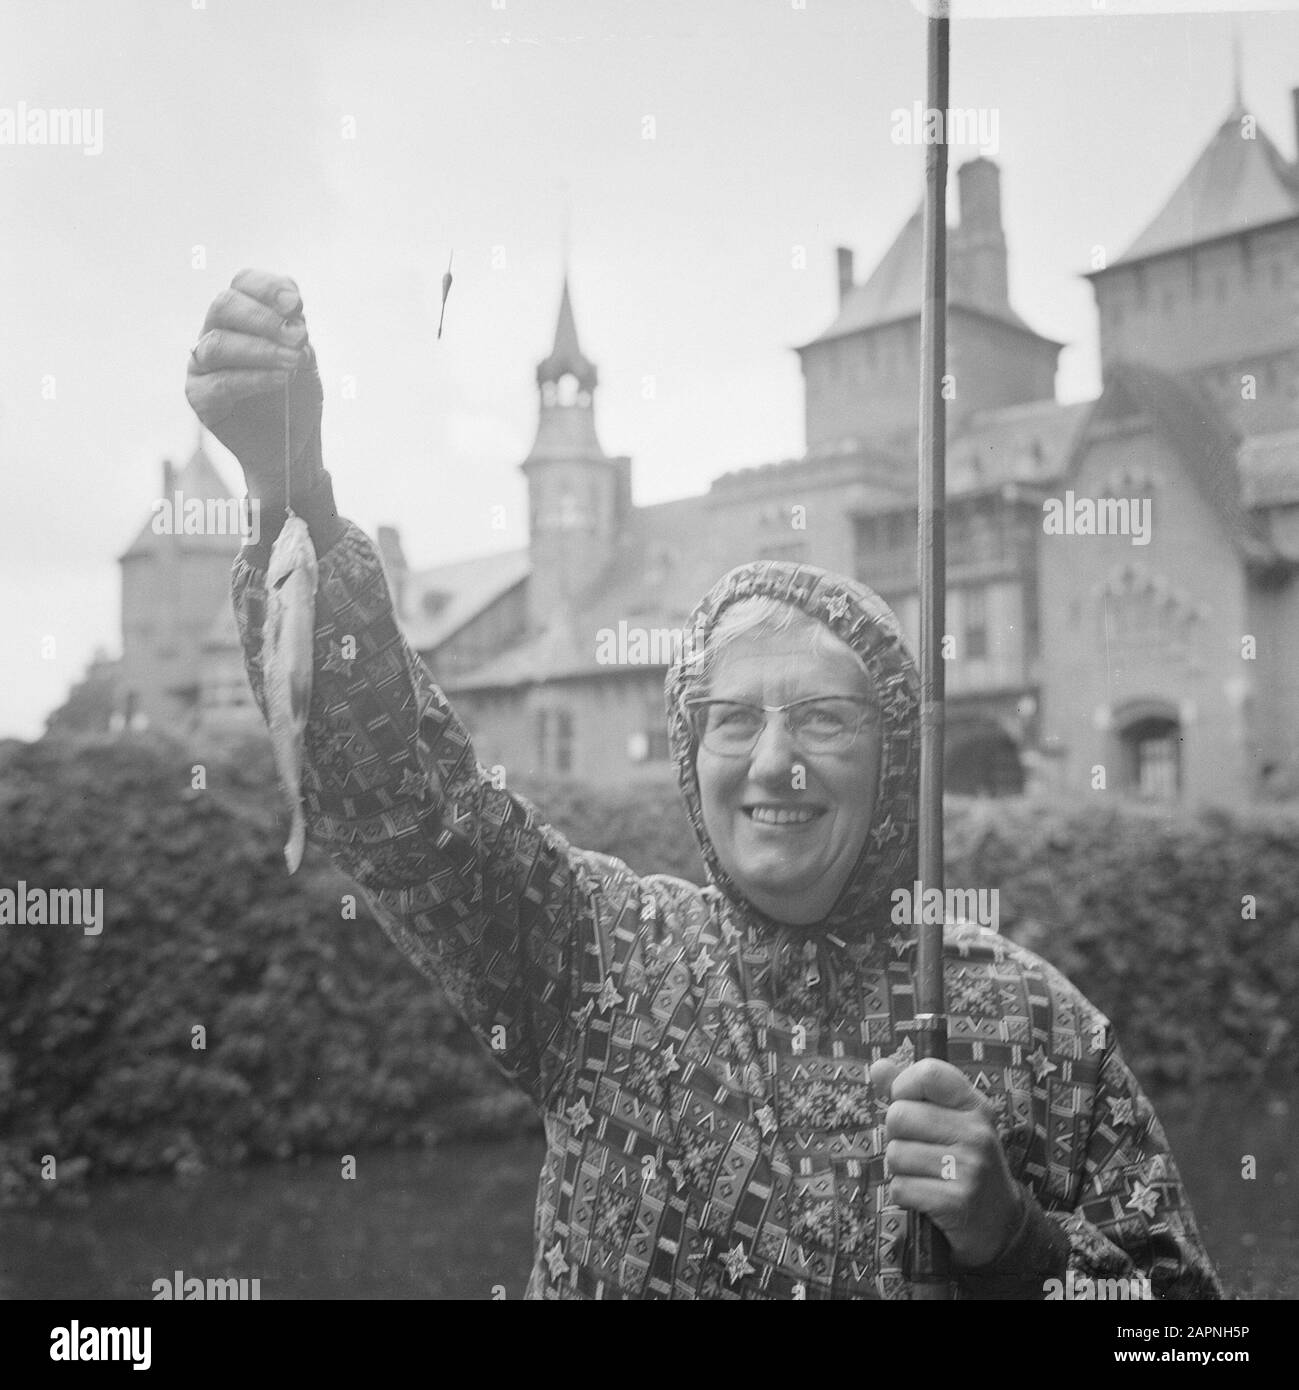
{"x":225,"y":127}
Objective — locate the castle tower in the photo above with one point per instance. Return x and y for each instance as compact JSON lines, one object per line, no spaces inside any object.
{"x":862,"y":373}
{"x":175,"y":578}
{"x":1208,"y":289}
{"x":578,"y":497}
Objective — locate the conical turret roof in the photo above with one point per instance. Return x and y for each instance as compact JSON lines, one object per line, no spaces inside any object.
{"x":198,"y":478}
{"x":566,"y":427}
{"x":894,"y":290}
{"x":566,"y":357}
{"x":1240,"y":180}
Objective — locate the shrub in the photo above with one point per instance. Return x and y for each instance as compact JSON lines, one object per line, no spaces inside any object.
{"x":318,"y":1034}
{"x":1148,"y":914}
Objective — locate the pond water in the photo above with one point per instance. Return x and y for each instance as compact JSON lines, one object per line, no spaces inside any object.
{"x":455,"y":1222}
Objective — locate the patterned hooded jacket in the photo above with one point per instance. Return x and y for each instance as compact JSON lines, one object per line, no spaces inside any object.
{"x":703,"y":1072}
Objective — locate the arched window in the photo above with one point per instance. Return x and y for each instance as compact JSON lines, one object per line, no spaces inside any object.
{"x":1152,"y":747}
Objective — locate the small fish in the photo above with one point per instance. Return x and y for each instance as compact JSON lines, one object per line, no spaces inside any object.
{"x":286,"y":664}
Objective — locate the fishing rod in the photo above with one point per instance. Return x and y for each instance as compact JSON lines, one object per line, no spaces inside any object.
{"x":930,"y":1255}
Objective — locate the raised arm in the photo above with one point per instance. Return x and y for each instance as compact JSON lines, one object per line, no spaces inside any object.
{"x":463,"y":875}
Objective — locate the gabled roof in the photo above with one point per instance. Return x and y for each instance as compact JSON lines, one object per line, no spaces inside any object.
{"x":1029,"y":443}
{"x":198,"y":478}
{"x":550,"y":655}
{"x":1197,"y":433}
{"x":879,"y":465}
{"x":1234,"y":184}
{"x":438,"y":602}
{"x":894,"y":289}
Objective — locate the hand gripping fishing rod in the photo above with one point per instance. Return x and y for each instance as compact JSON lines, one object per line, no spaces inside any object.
{"x":930,"y":1256}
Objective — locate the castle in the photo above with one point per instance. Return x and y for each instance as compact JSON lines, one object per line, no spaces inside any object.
{"x":1123,"y":603}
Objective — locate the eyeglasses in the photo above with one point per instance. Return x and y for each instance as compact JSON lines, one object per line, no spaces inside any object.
{"x":817,"y":724}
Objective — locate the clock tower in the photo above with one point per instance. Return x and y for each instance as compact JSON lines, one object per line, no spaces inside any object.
{"x":578,"y":497}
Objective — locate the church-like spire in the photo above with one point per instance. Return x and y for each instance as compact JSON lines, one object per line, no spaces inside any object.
{"x":566,"y":380}
{"x":566,"y":357}
{"x":578,"y":497}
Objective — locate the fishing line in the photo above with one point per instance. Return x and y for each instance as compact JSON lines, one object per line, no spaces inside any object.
{"x":288,"y":456}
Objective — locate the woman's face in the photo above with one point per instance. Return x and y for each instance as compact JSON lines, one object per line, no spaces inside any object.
{"x":791,"y":869}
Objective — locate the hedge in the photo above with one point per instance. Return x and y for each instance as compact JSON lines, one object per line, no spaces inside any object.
{"x":1183,"y":928}
{"x":321,"y":1038}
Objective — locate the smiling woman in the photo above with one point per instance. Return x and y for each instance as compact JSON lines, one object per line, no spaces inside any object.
{"x":787,"y":801}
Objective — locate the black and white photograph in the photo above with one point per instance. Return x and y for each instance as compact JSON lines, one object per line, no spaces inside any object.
{"x":653,"y":654}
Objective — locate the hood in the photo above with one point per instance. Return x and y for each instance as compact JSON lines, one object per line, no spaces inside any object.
{"x":862,"y":619}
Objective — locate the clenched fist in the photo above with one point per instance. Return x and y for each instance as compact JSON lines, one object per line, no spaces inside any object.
{"x":945,"y":1159}
{"x":254,"y":341}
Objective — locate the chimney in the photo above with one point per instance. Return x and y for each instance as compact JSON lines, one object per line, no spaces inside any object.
{"x":843,"y":255}
{"x":394,"y":565}
{"x":980,"y":182}
{"x":978,"y":243}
